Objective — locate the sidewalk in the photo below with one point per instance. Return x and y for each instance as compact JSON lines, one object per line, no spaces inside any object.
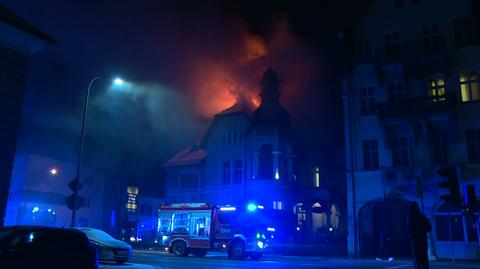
{"x":457,"y":263}
{"x":321,"y":250}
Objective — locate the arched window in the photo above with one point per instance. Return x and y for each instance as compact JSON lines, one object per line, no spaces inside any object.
{"x":265,"y":162}
{"x":334,"y":219}
{"x":319,"y":217}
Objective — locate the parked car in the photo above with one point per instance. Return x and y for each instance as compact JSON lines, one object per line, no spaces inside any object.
{"x":108,"y":248}
{"x":45,"y":247}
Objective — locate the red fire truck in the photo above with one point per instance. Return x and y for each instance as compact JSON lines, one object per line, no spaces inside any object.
{"x":197,"y":228}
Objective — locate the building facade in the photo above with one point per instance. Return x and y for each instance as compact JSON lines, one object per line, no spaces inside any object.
{"x":18,"y":40}
{"x":412,"y":106}
{"x":247,"y":156}
{"x":39,"y":190}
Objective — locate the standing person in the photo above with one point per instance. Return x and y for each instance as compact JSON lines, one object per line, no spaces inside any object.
{"x":418,"y":228}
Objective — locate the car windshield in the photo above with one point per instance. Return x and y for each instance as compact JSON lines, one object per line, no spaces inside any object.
{"x":96,"y":234}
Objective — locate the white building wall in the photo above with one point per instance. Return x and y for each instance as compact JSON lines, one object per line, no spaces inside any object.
{"x":408,"y":21}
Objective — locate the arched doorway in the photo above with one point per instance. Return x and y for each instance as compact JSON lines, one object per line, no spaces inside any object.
{"x":334,"y":216}
{"x":319,"y":217}
{"x":389,"y":215}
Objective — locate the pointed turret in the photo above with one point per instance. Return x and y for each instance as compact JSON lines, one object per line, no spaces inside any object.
{"x":270,"y":110}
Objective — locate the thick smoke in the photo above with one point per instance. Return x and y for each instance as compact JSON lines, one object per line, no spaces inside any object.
{"x":183,"y":68}
{"x":221,"y":71}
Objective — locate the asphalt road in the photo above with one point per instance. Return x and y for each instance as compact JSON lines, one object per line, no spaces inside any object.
{"x":161,"y":260}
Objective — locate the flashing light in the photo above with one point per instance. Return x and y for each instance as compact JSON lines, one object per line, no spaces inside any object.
{"x":271,"y":236}
{"x":53,"y":171}
{"x":132,"y":239}
{"x":224,"y":245}
{"x":298,"y":228}
{"x":156,"y":241}
{"x":258,"y":235}
{"x":35,"y":209}
{"x":252,"y":207}
{"x":166,"y":248}
{"x":277,"y":175}
{"x":139,"y":239}
{"x":263,"y":236}
{"x":271,"y":229}
{"x":228,"y":208}
{"x":53,"y":212}
{"x":260,"y":244}
{"x":260,"y":207}
{"x":49,"y":210}
{"x":330,"y":229}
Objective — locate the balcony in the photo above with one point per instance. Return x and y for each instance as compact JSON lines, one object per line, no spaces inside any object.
{"x":420,"y":58}
{"x":406,"y":176}
{"x":417,"y":107}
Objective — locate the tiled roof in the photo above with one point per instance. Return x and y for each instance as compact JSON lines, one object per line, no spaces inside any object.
{"x":188,"y":156}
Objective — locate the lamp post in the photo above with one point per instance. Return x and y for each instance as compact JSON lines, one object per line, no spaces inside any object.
{"x":76,"y":181}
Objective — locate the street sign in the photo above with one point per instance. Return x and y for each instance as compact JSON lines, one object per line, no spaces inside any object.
{"x":71,"y":201}
{"x":75,"y":184}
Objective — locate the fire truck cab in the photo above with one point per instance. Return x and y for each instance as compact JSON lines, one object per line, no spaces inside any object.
{"x":196,"y":228}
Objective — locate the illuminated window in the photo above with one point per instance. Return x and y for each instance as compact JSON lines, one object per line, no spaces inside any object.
{"x":463,"y":32}
{"x":316,"y":177}
{"x":370,"y":154}
{"x":396,"y":91}
{"x":131,"y":204}
{"x":473,"y":145}
{"x":436,"y":88}
{"x":334,"y":217}
{"x":469,"y":86}
{"x":226,"y":173}
{"x":301,"y":213}
{"x":277,"y":205}
{"x":237,"y":172}
{"x":367,"y":99}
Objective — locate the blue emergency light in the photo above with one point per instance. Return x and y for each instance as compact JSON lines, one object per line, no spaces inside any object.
{"x":251,"y":207}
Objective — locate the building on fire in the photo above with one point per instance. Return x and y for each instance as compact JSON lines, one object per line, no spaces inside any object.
{"x":411,"y":106}
{"x":248,"y":156}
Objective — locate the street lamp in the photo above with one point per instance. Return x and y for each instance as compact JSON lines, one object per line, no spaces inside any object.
{"x":118,"y":81}
{"x":76,"y":182}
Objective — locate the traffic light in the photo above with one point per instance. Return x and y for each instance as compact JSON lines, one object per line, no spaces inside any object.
{"x":470,"y":198}
{"x":450,"y":173}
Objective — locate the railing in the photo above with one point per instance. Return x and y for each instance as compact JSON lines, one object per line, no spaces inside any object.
{"x":416,"y":106}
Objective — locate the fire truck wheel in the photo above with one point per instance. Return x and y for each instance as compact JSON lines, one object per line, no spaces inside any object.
{"x":199,"y":252}
{"x":180,"y":249}
{"x":237,"y":251}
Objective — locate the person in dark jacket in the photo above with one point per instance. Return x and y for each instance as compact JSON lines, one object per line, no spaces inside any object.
{"x":418,"y":227}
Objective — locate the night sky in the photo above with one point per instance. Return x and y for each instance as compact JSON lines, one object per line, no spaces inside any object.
{"x":184,"y":62}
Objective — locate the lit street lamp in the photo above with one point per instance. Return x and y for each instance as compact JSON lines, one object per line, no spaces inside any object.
{"x":75,"y":184}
